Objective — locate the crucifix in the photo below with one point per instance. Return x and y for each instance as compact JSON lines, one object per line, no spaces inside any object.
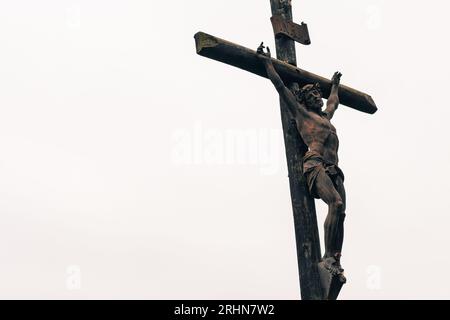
{"x":310,"y":140}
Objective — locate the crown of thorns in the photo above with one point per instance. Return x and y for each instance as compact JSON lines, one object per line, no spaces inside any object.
{"x":301,"y":94}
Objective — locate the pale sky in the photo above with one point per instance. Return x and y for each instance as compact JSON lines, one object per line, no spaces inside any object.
{"x":130,"y":167}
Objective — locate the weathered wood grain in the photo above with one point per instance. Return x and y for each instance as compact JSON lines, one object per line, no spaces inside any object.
{"x":246,"y":59}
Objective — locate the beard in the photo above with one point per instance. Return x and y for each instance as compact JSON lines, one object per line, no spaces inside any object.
{"x":315,"y":105}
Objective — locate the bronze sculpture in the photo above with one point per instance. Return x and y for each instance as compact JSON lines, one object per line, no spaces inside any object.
{"x":325,"y":180}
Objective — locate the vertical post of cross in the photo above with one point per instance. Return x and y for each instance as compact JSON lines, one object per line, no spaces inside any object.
{"x":305,"y":220}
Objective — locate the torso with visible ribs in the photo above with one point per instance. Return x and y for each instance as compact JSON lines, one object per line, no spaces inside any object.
{"x":320,"y":136}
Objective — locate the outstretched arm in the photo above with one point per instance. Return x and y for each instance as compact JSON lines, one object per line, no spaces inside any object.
{"x":273,"y":75}
{"x":333,"y":100}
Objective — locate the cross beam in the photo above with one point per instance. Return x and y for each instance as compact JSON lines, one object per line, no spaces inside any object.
{"x":246,"y":59}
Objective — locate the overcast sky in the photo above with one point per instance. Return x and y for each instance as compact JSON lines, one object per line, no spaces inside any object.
{"x":130,"y":167}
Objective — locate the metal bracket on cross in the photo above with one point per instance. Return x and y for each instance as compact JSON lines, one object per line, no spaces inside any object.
{"x":294,"y":31}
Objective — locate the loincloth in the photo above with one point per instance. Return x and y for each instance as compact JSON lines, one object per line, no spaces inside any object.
{"x":313,"y":164}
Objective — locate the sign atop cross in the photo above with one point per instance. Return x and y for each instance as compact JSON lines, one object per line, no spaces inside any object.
{"x":315,"y":283}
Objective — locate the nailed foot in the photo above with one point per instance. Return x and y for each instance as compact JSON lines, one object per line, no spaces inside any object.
{"x":331,"y":277}
{"x":333,"y":265}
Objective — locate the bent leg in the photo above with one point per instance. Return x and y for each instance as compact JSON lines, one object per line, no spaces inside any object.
{"x":339,"y":185}
{"x":326,"y":190}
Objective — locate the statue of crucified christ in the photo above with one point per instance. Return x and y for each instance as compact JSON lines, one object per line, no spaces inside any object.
{"x":324,"y":178}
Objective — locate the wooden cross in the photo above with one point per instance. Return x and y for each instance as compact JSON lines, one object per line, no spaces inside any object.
{"x":313,"y":283}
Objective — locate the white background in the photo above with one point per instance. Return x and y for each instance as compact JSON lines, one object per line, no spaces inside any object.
{"x":109,"y":187}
